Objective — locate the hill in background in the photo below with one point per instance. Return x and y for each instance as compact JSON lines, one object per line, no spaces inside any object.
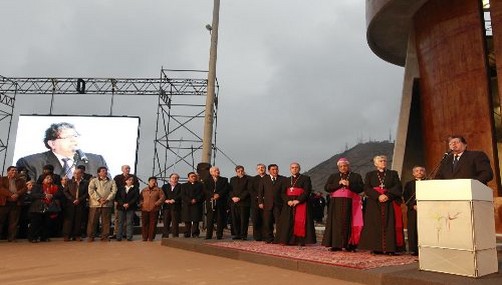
{"x":361,"y":161}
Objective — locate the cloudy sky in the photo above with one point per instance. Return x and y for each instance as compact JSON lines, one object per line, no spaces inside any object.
{"x":298,"y":81}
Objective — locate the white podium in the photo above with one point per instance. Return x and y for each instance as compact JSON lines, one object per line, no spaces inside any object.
{"x":456,"y":227}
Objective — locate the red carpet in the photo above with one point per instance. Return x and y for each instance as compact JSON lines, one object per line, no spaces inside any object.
{"x":318,"y":253}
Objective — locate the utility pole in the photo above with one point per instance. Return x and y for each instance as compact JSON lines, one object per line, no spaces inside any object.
{"x":207,"y":141}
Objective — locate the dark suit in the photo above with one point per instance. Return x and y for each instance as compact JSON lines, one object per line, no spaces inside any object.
{"x":256,"y":212}
{"x":471,"y":165}
{"x":131,"y":198}
{"x":34,"y":163}
{"x":73,"y":214}
{"x":269,"y":194}
{"x":8,"y":208}
{"x":216,"y":209}
{"x":171,"y":212}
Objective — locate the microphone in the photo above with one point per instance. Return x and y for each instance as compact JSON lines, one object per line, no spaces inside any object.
{"x":433,"y":173}
{"x":82,"y":156}
{"x":447,"y":153}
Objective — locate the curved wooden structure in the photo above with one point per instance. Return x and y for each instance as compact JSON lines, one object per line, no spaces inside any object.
{"x":451,"y":76}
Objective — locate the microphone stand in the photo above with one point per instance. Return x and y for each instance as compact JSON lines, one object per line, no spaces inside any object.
{"x":432,"y":174}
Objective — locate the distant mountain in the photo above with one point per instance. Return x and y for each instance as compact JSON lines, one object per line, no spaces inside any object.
{"x":361,"y":161}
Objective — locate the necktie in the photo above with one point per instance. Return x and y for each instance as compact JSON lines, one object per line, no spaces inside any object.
{"x":455,"y":161}
{"x":67,"y":168}
{"x":273,"y":180}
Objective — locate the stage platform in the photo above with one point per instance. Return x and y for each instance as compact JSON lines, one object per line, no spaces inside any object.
{"x":372,"y":270}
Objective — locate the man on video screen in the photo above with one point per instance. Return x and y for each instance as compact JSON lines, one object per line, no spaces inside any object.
{"x":64,"y":154}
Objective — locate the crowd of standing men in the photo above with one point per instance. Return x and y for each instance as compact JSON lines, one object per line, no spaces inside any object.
{"x":361,"y":214}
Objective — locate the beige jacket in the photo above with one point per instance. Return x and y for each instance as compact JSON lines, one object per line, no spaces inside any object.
{"x":151,"y":199}
{"x":102,"y":189}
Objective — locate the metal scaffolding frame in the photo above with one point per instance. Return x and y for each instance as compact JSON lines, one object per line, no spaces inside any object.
{"x":180,"y":110}
{"x":8,"y":90}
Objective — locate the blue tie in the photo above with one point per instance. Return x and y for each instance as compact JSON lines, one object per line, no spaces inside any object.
{"x":67,"y":168}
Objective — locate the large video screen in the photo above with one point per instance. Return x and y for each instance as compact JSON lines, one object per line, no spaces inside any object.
{"x":94,"y":140}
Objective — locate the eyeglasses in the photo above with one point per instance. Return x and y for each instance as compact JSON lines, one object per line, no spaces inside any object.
{"x":74,"y":136}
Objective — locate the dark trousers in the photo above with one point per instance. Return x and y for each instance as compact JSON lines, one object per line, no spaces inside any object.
{"x":257,"y":220}
{"x":219,"y":215}
{"x":10,"y":212}
{"x":72,"y":224}
{"x":149,"y":224}
{"x":171,"y":215}
{"x":240,"y":220}
{"x":39,"y":226}
{"x":24,"y":221}
{"x":85,"y":219}
{"x":412,"y":231}
{"x":192,"y":228}
{"x":270,"y":217}
{"x":94,"y":214}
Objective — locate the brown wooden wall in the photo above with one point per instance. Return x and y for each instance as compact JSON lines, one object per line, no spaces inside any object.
{"x":454,"y":86}
{"x":496,"y":18}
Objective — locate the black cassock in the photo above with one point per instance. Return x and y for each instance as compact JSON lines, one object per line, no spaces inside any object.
{"x":192,"y":212}
{"x":285,"y":227}
{"x":380,"y":233}
{"x":339,"y":217}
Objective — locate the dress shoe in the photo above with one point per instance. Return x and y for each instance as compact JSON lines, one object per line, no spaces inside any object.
{"x":91,"y":239}
{"x":66,"y":239}
{"x":414,"y":253}
{"x":335,"y":249}
{"x":78,"y":239}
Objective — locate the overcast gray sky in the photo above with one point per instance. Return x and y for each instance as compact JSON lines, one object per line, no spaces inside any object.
{"x":297,"y":79}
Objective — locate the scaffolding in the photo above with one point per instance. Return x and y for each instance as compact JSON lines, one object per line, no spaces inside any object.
{"x":180,"y":110}
{"x":8,"y":90}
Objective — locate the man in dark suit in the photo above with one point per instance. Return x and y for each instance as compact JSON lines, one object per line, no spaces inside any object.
{"x":270,"y":200}
{"x":256,"y":211}
{"x":216,"y":189}
{"x":62,"y":141}
{"x":12,"y":189}
{"x":76,"y":193}
{"x":463,"y":163}
{"x":171,"y":208}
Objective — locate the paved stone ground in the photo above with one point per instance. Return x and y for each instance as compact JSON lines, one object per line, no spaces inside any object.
{"x":136,"y":262}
